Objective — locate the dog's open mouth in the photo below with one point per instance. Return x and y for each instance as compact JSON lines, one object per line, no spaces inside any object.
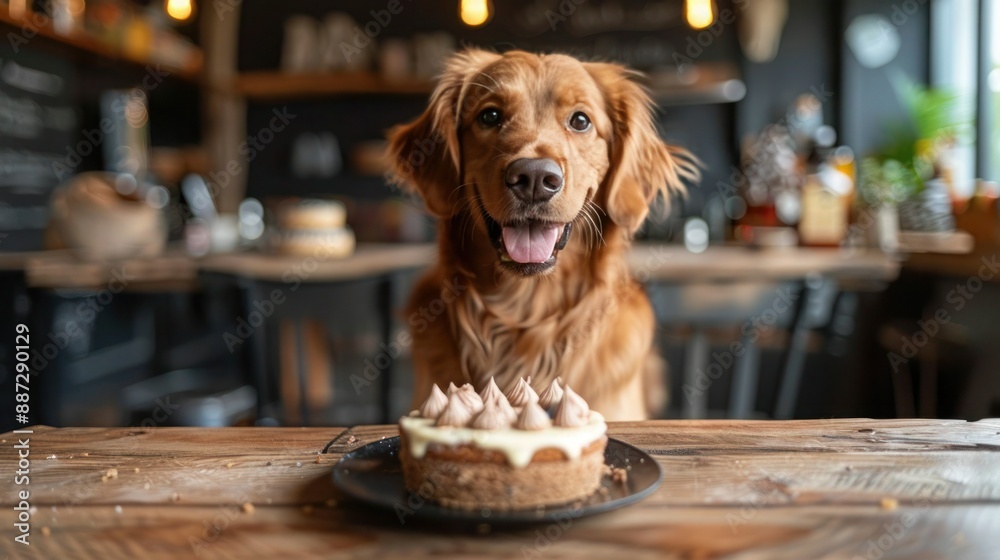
{"x":529,"y":246}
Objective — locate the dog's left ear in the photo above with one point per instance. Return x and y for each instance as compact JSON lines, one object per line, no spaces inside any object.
{"x":643,"y":166}
{"x":424,"y":155}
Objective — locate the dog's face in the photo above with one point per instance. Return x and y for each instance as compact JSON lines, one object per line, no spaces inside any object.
{"x":527,"y":146}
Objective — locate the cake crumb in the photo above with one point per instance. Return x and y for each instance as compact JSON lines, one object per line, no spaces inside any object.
{"x":298,"y":463}
{"x":136,"y":470}
{"x":889,"y":504}
{"x":118,"y":510}
{"x":51,"y":457}
{"x":229,"y":465}
{"x":247,"y":508}
{"x":145,"y":486}
{"x":352,"y":439}
{"x":112,"y":473}
{"x":331,"y":503}
{"x":46,"y":531}
{"x":85,"y":454}
{"x":268,"y":464}
{"x":317,"y":461}
{"x":619,"y":475}
{"x":175,"y":497}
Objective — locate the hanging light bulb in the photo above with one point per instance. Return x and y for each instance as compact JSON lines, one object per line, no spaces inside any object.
{"x":475,"y":12}
{"x":699,"y":13}
{"x":180,"y":10}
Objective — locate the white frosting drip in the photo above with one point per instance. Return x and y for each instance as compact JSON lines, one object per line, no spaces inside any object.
{"x":519,"y":446}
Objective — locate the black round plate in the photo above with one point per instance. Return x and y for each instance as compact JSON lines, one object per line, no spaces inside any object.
{"x":373,"y":475}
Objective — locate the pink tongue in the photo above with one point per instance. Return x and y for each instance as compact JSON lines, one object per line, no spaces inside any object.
{"x":531,"y":243}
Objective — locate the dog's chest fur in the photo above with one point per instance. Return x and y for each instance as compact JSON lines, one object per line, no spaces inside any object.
{"x":540,"y":327}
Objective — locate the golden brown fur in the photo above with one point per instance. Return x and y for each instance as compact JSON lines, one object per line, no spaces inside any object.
{"x":585,"y":319}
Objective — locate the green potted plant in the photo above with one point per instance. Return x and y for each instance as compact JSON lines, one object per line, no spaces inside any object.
{"x":908,"y":174}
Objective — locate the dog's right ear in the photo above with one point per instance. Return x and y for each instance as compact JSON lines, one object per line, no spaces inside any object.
{"x":425,"y":155}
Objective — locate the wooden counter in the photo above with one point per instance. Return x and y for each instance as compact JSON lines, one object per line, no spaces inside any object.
{"x":735,"y":489}
{"x":649,"y":261}
{"x":370,"y":260}
{"x":670,"y":262}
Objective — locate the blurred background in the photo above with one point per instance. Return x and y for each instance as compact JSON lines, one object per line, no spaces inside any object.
{"x":197,"y":229}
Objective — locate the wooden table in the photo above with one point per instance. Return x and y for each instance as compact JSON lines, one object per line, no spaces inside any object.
{"x":916,"y":489}
{"x":733,"y":287}
{"x":737,"y":263}
{"x":61,"y":270}
{"x":370,"y":260}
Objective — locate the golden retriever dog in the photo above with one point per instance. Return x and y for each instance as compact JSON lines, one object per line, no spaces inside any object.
{"x":539,"y":168}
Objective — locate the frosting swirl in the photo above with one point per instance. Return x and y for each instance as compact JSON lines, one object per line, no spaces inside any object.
{"x":522,"y":394}
{"x":456,"y":413}
{"x":434,"y":404}
{"x":469,"y":396}
{"x":552,"y":394}
{"x":491,"y":391}
{"x":492,"y":417}
{"x":572,"y":410}
{"x":532,"y":418}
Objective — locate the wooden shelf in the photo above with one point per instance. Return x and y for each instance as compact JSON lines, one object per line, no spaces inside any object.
{"x":88,"y":43}
{"x":287,"y":85}
{"x":945,"y":243}
{"x":700,"y":84}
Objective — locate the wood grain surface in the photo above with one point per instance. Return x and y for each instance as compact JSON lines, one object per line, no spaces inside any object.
{"x":732,"y":489}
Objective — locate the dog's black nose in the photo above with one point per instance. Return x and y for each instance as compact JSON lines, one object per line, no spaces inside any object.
{"x":534,"y":179}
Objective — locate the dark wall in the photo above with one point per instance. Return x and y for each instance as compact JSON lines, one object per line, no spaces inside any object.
{"x":868,"y":100}
{"x":812,"y":58}
{"x":807,"y":61}
{"x":705,"y":129}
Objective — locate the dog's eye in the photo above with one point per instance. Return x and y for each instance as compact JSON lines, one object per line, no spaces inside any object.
{"x":490,"y":117}
{"x":579,"y":122}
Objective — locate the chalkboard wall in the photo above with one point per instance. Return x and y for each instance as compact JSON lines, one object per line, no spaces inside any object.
{"x":38,"y":123}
